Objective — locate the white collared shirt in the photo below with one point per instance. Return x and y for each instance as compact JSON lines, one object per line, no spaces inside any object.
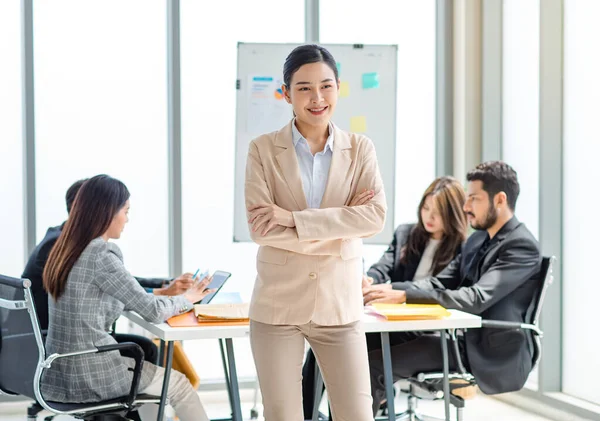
{"x":314,"y":170}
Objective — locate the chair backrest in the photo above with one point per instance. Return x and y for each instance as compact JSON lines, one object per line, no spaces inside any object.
{"x":535,"y":310}
{"x":21,"y":344}
{"x":545,"y":280}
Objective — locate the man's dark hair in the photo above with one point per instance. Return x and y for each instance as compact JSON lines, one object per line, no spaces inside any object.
{"x":72,"y":192}
{"x":496,"y":177}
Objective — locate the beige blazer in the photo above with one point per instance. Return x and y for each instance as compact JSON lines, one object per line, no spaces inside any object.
{"x":312,"y":272}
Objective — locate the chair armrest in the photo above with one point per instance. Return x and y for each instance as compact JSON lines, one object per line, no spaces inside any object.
{"x":137,"y":370}
{"x":499,"y":324}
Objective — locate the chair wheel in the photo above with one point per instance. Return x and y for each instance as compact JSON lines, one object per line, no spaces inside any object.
{"x":253,"y":414}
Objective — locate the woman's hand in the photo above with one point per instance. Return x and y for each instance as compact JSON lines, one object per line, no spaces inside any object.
{"x":362,"y":198}
{"x":177,"y":286}
{"x":199,"y":291}
{"x":266,"y":217}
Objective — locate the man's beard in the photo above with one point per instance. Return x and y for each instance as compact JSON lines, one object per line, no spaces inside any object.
{"x":490,"y":219}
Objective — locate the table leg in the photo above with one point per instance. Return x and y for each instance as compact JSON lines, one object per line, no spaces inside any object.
{"x":318,"y":393}
{"x":388,"y":374}
{"x":233,"y":381}
{"x":446,"y":381}
{"x":161,"y":354}
{"x":165,"y":387}
{"x":226,"y":371}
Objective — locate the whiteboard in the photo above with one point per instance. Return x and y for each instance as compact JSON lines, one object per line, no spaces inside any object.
{"x":367,"y":104}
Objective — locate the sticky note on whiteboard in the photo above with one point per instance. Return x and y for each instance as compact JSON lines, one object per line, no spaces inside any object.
{"x":344,"y":89}
{"x":370,"y":80}
{"x":358,"y":124}
{"x":339,"y":67}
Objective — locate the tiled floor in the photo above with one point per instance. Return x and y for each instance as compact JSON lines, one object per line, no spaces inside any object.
{"x":480,"y":408}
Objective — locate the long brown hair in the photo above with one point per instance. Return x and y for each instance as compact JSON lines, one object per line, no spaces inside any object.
{"x":449,"y":197}
{"x":97,"y":202}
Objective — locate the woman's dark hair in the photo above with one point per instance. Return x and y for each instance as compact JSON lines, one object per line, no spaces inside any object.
{"x":305,"y":54}
{"x":449,"y":197}
{"x":98,"y":201}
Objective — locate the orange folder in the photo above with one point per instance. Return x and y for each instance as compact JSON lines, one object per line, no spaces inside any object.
{"x":190,"y":320}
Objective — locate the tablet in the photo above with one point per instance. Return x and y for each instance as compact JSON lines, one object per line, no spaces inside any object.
{"x":218,"y":280}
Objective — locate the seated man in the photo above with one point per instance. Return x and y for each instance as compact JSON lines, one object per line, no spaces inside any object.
{"x":35,"y":268}
{"x":495,"y":277}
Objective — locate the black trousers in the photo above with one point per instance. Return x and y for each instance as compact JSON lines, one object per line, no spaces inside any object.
{"x":412,"y":353}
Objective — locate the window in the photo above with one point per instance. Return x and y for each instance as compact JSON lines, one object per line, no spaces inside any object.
{"x":520,"y":103}
{"x":208,"y":74}
{"x":581,"y":148}
{"x":12,"y":247}
{"x":101,"y":107}
{"x":410,"y":25}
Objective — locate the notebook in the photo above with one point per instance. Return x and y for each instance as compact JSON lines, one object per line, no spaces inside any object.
{"x":237,"y":312}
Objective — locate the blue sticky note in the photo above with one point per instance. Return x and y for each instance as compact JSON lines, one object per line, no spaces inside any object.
{"x":339,"y":67}
{"x":370,"y":80}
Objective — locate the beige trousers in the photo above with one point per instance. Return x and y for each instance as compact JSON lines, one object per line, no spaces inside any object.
{"x":181,"y":395}
{"x":341,"y":352}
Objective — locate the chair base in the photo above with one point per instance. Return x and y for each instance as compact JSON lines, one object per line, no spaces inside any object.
{"x":412,"y":414}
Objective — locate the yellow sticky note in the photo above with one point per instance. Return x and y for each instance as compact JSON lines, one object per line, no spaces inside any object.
{"x":344,"y":89}
{"x":358,"y":124}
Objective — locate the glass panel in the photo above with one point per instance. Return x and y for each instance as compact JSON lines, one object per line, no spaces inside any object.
{"x":520,"y":103}
{"x":208,"y":74}
{"x":581,"y":366}
{"x":411,"y":25}
{"x":12,"y":247}
{"x":101,"y":107}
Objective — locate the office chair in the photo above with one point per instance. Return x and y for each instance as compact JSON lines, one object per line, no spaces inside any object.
{"x":430,"y":385}
{"x":23,"y":360}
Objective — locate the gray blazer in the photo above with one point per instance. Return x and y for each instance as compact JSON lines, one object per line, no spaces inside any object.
{"x":98,"y":290}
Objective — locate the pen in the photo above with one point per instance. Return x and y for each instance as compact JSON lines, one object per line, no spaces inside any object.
{"x":195,"y":274}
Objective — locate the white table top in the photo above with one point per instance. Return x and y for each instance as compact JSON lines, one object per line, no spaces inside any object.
{"x":456,"y":320}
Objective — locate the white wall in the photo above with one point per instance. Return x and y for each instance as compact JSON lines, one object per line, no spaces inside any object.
{"x":581,"y":365}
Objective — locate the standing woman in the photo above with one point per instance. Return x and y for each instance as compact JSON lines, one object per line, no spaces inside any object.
{"x":312,"y":192}
{"x":90,"y":288}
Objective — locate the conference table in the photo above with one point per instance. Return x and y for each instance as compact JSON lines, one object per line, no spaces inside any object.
{"x":226,"y":334}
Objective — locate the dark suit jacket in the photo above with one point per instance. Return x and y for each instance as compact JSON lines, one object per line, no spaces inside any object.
{"x":34,"y":270}
{"x":506,"y":278}
{"x":389,"y":268}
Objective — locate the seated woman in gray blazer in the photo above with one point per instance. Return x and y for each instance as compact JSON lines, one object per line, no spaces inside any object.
{"x":89,"y":288}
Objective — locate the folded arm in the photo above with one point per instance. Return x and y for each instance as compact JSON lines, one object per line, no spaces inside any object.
{"x":286,"y":238}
